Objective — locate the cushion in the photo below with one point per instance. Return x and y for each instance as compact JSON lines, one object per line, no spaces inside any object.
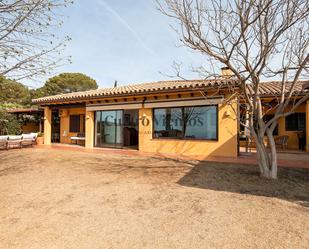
{"x":77,"y":138}
{"x":28,"y":136}
{"x":35,"y":135}
{"x":3,"y":138}
{"x":15,"y":137}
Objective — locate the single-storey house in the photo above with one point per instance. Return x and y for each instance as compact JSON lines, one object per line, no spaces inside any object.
{"x":197,"y":117}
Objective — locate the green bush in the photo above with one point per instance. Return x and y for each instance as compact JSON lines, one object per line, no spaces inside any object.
{"x":9,"y":124}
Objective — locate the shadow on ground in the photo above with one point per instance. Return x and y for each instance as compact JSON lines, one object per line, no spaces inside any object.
{"x":292,"y":184}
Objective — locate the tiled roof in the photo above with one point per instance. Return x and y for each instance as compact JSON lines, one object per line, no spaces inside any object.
{"x":271,"y":88}
{"x":25,"y":110}
{"x":144,"y":88}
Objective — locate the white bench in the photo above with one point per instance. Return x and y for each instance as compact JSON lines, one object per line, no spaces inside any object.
{"x":78,"y":137}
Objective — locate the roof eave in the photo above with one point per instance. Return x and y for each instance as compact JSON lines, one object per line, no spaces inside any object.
{"x":83,"y":99}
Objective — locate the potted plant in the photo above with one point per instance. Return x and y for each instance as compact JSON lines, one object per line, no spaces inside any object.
{"x":40,"y":139}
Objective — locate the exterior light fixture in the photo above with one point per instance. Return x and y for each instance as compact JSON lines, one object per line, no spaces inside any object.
{"x":227,"y":113}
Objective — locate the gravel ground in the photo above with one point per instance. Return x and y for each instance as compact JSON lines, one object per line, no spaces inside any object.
{"x":71,"y":199}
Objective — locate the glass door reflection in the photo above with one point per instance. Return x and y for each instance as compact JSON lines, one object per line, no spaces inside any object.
{"x":109,"y":132}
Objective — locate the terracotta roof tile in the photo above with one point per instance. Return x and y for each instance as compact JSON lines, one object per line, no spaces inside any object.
{"x":160,"y":86}
{"x":271,"y":88}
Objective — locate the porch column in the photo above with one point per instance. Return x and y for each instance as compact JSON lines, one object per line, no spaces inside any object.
{"x":47,"y":125}
{"x":307,"y":126}
{"x":89,"y":136}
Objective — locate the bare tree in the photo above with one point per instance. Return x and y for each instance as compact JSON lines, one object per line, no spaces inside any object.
{"x":257,"y":40}
{"x":28,"y":44}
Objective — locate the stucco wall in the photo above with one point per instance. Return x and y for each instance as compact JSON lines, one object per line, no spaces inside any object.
{"x":225,"y":146}
{"x":65,"y":134}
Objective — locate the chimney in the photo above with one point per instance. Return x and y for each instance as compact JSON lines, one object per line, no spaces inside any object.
{"x":115,"y":83}
{"x":226,"y":72}
{"x":306,"y":86}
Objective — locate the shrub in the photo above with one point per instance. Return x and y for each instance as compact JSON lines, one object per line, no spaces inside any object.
{"x":9,"y":124}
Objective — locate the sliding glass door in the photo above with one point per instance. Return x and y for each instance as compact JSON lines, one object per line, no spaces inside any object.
{"x":108,"y":130}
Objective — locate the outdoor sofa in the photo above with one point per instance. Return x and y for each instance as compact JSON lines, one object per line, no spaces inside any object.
{"x":7,"y":142}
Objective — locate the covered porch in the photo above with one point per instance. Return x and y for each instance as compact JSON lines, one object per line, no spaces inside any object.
{"x":291,"y":134}
{"x":66,"y":124}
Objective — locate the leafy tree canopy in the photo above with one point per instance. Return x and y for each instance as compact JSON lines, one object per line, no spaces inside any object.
{"x":66,"y":83}
{"x":13,"y":92}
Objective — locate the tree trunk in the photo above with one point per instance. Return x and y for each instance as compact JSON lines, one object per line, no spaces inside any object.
{"x":267,"y":161}
{"x":273,"y":154}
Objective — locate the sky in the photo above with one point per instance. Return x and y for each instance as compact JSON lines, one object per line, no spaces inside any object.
{"x":125,"y":40}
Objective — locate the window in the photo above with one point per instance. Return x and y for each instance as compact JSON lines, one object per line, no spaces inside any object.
{"x":75,"y":123}
{"x":168,"y":122}
{"x":295,"y":122}
{"x":198,"y":122}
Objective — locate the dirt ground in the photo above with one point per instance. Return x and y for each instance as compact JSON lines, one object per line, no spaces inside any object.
{"x":71,"y":199}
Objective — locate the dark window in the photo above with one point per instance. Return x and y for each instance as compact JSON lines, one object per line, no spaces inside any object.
{"x":74,"y":123}
{"x":198,"y":122}
{"x":295,"y":122}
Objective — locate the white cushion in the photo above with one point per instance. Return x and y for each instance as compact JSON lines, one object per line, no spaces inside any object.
{"x":34,"y":134}
{"x":28,"y":136}
{"x":15,"y":137}
{"x":77,"y":138}
{"x":3,"y":138}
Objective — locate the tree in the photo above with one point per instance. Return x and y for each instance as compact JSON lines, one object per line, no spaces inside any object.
{"x":256,"y":39}
{"x":28,"y":44}
{"x":66,"y":83}
{"x":9,"y":124}
{"x":13,"y":92}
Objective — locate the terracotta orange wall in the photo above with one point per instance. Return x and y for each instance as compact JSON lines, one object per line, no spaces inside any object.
{"x":225,"y":146}
{"x":65,"y":123}
{"x":47,"y":125}
{"x":89,"y":129}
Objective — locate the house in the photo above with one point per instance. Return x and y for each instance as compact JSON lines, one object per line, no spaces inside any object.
{"x":197,"y":117}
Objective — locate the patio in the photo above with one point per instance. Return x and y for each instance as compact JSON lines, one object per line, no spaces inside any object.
{"x":287,"y":158}
{"x":77,"y":198}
